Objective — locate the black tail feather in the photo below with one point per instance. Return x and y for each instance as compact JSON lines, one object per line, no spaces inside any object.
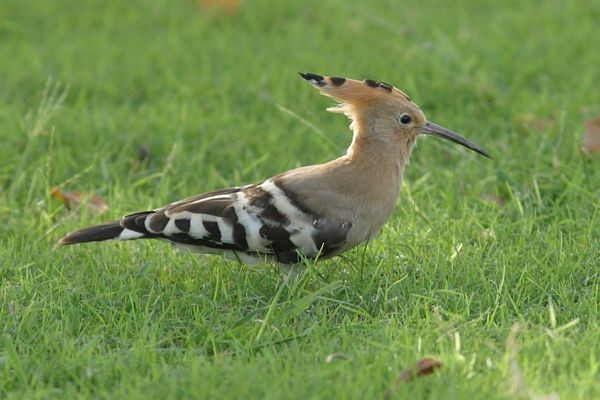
{"x":98,"y":233}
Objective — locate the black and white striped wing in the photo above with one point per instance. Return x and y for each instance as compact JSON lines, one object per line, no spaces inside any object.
{"x":251,"y":223}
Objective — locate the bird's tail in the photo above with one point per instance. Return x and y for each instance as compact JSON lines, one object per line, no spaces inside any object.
{"x":129,"y":227}
{"x":97,"y":233}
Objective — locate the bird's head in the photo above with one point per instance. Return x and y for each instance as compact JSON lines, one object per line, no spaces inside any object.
{"x":383,"y":114}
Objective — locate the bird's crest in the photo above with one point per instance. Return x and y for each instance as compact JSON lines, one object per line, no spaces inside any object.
{"x":359,"y":100}
{"x":353,"y":94}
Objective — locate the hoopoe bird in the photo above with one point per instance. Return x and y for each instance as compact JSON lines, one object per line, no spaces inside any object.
{"x":317,"y":211}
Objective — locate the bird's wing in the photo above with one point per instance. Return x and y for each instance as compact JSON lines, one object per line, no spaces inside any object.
{"x":256,"y":220}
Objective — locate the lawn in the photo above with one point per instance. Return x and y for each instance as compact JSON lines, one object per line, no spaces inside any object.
{"x":211,"y":97}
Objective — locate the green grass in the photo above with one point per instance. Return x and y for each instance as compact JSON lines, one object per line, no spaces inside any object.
{"x":448,"y":277}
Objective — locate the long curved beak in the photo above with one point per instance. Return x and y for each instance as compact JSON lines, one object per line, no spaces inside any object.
{"x":437,"y":130}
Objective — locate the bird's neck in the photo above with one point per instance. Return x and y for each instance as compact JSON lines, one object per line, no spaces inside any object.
{"x":380,"y":166}
{"x":372,"y":153}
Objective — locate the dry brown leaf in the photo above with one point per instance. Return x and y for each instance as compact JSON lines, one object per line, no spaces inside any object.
{"x":94,"y":203}
{"x":228,"y":6}
{"x":425,"y":366}
{"x":591,"y":136}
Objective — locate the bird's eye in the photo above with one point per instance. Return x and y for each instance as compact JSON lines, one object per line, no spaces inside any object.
{"x":405,"y":119}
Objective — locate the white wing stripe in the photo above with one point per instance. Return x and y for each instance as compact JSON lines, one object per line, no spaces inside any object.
{"x":218,"y":197}
{"x":283,"y":204}
{"x":251,"y":224}
{"x":197,"y":229}
{"x":129,"y":234}
{"x":171,"y":228}
{"x":299,"y":221}
{"x":226,"y":231}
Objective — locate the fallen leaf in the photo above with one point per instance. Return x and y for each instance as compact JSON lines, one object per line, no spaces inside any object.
{"x":591,"y":136}
{"x":228,"y":6}
{"x":94,"y":203}
{"x":425,"y":366}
